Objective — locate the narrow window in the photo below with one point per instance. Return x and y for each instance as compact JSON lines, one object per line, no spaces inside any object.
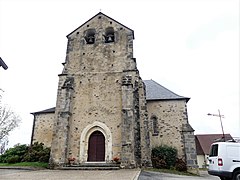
{"x":155,"y":125}
{"x":109,"y":35}
{"x":90,"y":36}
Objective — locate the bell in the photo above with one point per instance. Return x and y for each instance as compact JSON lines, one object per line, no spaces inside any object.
{"x":110,"y":39}
{"x":90,"y":39}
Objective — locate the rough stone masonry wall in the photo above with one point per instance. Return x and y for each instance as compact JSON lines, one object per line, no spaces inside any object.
{"x":144,"y":127}
{"x":95,"y":101}
{"x":190,"y":148}
{"x":135,"y":138}
{"x":43,"y":128}
{"x":100,"y":57}
{"x":173,"y":129}
{"x":171,"y":117}
{"x":58,"y":156}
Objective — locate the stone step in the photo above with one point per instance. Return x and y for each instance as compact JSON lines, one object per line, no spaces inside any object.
{"x":92,"y":166}
{"x":98,"y":164}
{"x":89,"y":168}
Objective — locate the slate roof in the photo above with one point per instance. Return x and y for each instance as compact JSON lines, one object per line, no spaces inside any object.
{"x":204,"y":141}
{"x":154,"y":92}
{"x":50,"y":110}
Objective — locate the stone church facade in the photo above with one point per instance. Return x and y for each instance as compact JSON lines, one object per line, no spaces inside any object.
{"x":104,"y":110}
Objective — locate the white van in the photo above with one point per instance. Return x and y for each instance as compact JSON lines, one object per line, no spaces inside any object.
{"x":224,"y":160}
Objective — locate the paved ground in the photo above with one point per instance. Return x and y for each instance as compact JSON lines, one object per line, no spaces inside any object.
{"x":68,"y":174}
{"x":14,"y":174}
{"x":148,"y":175}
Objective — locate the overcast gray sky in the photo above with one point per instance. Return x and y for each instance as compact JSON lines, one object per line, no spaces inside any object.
{"x":189,"y":46}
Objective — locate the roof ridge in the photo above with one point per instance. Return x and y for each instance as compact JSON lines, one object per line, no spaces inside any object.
{"x":100,"y":13}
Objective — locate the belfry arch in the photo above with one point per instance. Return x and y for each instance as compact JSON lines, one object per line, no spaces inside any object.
{"x":84,"y":140}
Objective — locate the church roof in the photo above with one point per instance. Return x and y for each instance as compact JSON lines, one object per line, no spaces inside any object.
{"x":100,"y":13}
{"x":50,"y":110}
{"x":155,"y":91}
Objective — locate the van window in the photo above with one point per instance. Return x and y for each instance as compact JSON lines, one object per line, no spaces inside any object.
{"x":214,"y":150}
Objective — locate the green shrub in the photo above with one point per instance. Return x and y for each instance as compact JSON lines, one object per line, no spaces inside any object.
{"x":180,"y":165}
{"x":37,"y":153}
{"x":23,"y":153}
{"x":164,"y":154}
{"x":13,"y":159}
{"x":159,"y":163}
{"x":12,"y":153}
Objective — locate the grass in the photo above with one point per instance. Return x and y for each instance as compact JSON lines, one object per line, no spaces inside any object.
{"x":203,"y":169}
{"x":171,"y":171}
{"x":29,"y":164}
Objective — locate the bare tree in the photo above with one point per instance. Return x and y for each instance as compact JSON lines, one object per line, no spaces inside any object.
{"x":9,"y":120}
{"x":3,"y":145}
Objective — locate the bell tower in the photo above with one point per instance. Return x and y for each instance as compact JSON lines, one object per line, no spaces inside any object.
{"x":100,"y":92}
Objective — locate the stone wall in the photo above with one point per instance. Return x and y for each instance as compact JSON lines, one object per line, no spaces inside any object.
{"x":94,"y":102}
{"x":100,"y":57}
{"x":144,"y":127}
{"x":42,"y":131}
{"x":98,"y":90}
{"x":190,"y":148}
{"x":58,"y":156}
{"x":170,"y":117}
{"x":173,"y":129}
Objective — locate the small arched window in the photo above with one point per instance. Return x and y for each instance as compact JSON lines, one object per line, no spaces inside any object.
{"x":155,"y":125}
{"x":90,"y":36}
{"x":109,"y":35}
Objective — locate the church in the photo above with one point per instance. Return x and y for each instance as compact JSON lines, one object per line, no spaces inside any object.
{"x":104,"y":110}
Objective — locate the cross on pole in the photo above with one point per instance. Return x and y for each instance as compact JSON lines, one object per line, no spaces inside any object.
{"x":220,"y":116}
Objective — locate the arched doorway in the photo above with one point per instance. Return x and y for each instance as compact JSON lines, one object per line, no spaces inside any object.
{"x":96,"y":147}
{"x":85,"y":136}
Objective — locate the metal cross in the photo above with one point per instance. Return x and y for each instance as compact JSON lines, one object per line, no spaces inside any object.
{"x":220,"y":116}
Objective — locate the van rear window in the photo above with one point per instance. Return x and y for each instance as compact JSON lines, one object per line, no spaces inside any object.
{"x":214,"y":150}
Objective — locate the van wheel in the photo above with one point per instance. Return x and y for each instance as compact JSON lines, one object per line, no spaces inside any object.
{"x":236,"y":175}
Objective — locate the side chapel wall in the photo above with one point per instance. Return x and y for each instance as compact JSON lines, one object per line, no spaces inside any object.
{"x":170,"y":115}
{"x":43,"y":128}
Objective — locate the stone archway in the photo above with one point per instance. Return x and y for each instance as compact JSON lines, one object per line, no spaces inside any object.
{"x":85,"y":136}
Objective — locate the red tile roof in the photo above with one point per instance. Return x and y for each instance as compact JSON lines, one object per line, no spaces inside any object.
{"x":204,"y":141}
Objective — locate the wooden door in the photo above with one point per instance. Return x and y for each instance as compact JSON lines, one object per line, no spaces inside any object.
{"x":96,"y":147}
